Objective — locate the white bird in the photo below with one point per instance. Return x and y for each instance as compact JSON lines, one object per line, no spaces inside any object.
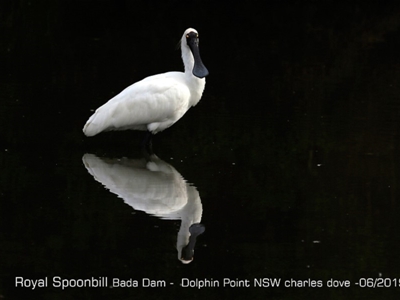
{"x":156,"y":102}
{"x":157,"y":188}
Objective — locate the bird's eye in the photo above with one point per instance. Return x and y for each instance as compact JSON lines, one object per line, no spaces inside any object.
{"x":187,"y":36}
{"x":197,"y":35}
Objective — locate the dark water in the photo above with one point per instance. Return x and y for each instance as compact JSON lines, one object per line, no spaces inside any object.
{"x":290,"y":160}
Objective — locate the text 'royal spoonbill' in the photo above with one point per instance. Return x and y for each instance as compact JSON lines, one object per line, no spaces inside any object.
{"x":156,"y":102}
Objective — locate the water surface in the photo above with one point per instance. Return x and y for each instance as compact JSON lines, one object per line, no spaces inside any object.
{"x":290,"y":159}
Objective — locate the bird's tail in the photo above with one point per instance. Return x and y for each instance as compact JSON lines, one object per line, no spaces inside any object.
{"x":91,"y":127}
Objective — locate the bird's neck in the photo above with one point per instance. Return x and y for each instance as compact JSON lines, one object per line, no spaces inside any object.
{"x":196,"y":84}
{"x":187,"y":57}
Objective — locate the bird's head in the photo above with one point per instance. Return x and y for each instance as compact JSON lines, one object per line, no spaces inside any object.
{"x":191,"y":36}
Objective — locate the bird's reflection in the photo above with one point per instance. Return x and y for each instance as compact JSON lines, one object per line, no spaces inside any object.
{"x":155,"y":187}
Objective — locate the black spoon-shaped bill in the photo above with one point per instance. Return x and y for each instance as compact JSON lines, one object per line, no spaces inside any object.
{"x":188,"y":251}
{"x":199,"y":69}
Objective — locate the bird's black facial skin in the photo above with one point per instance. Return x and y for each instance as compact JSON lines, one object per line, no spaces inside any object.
{"x":192,"y":37}
{"x":192,"y":40}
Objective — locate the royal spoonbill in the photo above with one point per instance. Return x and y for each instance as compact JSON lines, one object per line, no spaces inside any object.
{"x":157,"y":188}
{"x":156,"y":102}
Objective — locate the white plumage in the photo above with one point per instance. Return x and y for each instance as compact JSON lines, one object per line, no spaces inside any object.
{"x":156,"y":188}
{"x":156,"y":102}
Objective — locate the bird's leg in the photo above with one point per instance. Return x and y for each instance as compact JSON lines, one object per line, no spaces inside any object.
{"x":147,"y":145}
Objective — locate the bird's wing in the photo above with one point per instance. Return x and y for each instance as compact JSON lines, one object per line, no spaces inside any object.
{"x":154,"y":99}
{"x":154,"y":192}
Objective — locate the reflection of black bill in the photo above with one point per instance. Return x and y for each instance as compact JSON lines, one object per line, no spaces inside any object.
{"x":199,"y":69}
{"x":188,"y":251}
